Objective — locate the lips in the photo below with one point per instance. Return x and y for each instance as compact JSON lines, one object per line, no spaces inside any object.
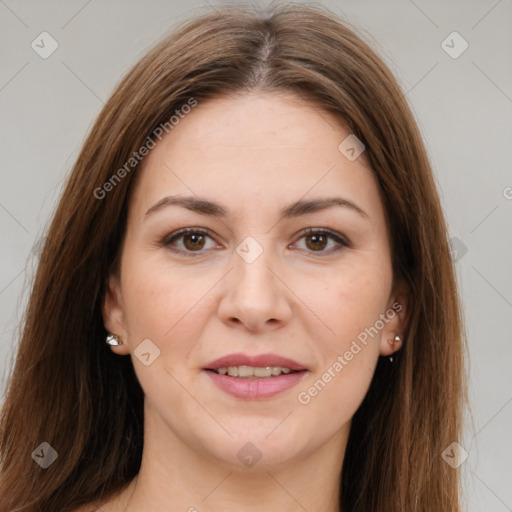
{"x":255,"y":388}
{"x":261,"y":360}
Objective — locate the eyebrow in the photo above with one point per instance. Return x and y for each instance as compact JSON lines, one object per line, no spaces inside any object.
{"x":212,"y":208}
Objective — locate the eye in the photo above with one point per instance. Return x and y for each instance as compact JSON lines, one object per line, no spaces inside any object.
{"x":188,"y":241}
{"x":191,"y":240}
{"x":316,"y":240}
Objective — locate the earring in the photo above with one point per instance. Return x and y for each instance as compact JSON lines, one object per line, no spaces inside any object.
{"x":113,"y":340}
{"x":392,"y":343}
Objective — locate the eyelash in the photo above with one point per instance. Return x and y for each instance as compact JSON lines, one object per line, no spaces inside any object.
{"x":169,"y":239}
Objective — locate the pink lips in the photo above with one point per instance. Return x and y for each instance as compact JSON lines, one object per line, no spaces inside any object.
{"x":260,"y":360}
{"x":255,"y":388}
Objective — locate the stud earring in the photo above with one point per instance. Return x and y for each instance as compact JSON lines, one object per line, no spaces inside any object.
{"x":392,"y":343}
{"x":113,"y":340}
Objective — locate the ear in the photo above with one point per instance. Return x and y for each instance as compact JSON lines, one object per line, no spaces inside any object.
{"x":397,"y":315}
{"x":113,"y":314}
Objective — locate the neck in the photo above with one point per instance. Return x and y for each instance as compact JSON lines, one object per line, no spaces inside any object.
{"x":174,"y":474}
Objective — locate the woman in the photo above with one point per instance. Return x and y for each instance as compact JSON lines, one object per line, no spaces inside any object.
{"x":246,"y":298}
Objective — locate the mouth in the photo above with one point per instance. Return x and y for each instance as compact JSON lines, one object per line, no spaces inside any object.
{"x":253,"y":372}
{"x":253,"y":377}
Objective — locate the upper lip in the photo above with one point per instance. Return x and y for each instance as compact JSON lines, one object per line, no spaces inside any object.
{"x":260,"y":360}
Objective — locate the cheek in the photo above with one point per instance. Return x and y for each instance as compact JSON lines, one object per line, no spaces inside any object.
{"x":159,"y":299}
{"x":358,"y":302}
{"x":338,"y":386}
{"x":349,"y":307}
{"x":350,"y":302}
{"x":163,"y":305}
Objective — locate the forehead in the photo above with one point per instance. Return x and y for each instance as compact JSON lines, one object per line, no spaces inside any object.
{"x":264,"y":148}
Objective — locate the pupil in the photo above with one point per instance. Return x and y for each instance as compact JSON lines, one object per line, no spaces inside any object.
{"x":196,"y":239}
{"x":317,"y":241}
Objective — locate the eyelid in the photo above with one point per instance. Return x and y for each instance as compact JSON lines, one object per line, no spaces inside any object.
{"x":176,"y":235}
{"x":338,"y":237}
{"x":334,"y":235}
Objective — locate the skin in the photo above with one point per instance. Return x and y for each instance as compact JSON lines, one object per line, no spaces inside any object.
{"x":255,"y":154}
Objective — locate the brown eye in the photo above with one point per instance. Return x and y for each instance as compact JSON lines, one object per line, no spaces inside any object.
{"x":193,"y":241}
{"x":318,"y":241}
{"x":188,"y":241}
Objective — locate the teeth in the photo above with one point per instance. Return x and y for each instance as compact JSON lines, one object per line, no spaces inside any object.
{"x":247,"y":372}
{"x":262,"y":372}
{"x":243,"y":371}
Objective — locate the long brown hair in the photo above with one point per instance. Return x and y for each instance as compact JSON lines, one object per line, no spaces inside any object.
{"x":68,"y":389}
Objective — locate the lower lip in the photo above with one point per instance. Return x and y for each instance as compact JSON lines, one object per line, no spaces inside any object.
{"x":255,"y":388}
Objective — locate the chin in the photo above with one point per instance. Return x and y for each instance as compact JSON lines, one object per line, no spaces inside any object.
{"x":258,"y":447}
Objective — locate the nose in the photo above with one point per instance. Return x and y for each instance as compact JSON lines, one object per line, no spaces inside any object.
{"x":255,"y":294}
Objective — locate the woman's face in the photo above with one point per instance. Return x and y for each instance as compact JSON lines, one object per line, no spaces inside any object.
{"x":248,"y":286}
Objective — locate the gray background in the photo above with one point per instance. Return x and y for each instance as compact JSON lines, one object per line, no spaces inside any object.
{"x":463,"y":106}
